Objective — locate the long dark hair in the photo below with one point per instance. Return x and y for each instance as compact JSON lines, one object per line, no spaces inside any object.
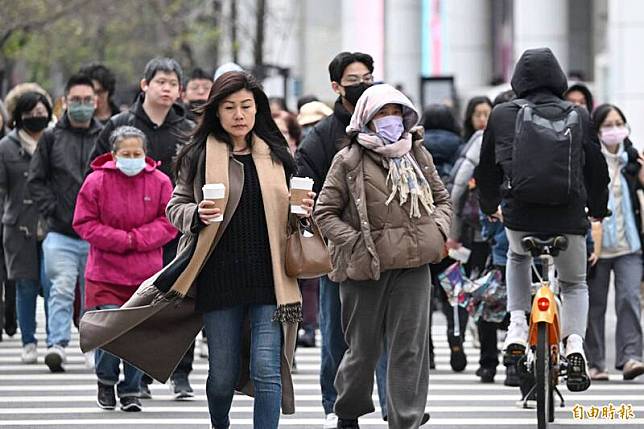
{"x":468,"y":127}
{"x":265,"y":127}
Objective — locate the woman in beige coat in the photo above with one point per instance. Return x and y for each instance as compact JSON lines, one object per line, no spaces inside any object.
{"x":386,"y":214}
{"x":243,"y":277}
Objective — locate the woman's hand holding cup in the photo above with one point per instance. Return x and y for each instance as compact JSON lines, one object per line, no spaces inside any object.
{"x":210,"y":208}
{"x":302,"y":197}
{"x":208,"y":212}
{"x":307,"y":204}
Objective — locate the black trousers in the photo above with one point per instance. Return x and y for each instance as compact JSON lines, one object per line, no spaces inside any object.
{"x":8,"y":317}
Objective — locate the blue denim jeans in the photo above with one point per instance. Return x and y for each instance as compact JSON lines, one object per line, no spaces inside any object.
{"x":223,"y":329}
{"x":334,"y":346}
{"x":107,"y":370}
{"x":65,"y":259}
{"x":26,"y":297}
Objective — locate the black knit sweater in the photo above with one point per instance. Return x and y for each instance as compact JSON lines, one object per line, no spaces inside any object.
{"x":239,"y":270}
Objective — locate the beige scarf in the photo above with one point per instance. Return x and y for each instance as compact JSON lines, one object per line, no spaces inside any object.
{"x":27,"y":142}
{"x":276,"y":207}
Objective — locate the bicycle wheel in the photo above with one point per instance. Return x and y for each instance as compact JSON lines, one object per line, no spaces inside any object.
{"x":545,"y":410}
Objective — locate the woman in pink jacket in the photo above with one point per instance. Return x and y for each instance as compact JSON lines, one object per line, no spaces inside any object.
{"x":120,"y":211}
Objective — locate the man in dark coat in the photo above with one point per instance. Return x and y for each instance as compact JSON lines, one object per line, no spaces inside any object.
{"x":56,"y":173}
{"x":163,"y":120}
{"x":539,"y":80}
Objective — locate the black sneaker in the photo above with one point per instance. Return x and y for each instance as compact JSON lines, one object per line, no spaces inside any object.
{"x":457,"y":359}
{"x":106,"y":399}
{"x":131,"y":404}
{"x":513,"y":354}
{"x":181,"y":388}
{"x":577,"y":379}
{"x":347,"y":423}
{"x":486,"y":374}
{"x":307,"y":338}
{"x":512,"y":376}
{"x":144,"y":392}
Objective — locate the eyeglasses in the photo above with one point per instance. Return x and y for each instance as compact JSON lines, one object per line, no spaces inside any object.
{"x":355,"y":80}
{"x":81,"y":100}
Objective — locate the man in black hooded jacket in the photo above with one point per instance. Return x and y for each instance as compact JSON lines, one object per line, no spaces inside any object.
{"x":539,"y":80}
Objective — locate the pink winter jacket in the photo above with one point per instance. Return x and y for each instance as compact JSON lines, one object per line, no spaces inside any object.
{"x":123,"y":219}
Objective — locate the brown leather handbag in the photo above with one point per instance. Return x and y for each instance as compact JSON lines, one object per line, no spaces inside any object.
{"x":307,"y":256}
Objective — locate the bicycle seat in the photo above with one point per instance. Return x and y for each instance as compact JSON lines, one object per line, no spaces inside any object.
{"x":538,"y":246}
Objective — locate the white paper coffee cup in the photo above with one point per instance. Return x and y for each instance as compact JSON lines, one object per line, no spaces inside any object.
{"x":215,"y":192}
{"x":300,"y":188}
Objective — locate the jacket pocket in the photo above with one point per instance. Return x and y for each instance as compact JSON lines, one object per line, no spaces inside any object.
{"x":359,"y":267}
{"x":431,"y":242}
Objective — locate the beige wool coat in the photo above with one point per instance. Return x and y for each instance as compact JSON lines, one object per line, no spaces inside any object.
{"x":153,"y":330}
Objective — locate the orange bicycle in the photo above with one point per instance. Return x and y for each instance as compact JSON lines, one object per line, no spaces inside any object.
{"x":544,"y":360}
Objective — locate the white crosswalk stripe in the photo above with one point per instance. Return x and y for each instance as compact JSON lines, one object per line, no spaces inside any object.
{"x":30,"y":396}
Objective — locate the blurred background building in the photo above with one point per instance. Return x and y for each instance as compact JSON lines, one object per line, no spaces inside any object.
{"x":436,"y":50}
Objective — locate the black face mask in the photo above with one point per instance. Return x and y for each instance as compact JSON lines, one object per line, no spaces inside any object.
{"x":35,"y":124}
{"x":353,"y":92}
{"x":196,"y":104}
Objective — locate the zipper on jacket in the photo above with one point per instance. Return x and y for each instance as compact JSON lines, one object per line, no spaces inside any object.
{"x":569,"y":134}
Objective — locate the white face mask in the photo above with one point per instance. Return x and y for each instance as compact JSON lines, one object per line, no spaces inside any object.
{"x":130,"y":166}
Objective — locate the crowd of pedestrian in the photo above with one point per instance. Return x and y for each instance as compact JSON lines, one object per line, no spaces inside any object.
{"x":102,"y":208}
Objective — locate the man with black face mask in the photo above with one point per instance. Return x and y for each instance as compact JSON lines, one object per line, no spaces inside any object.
{"x":351,"y":74}
{"x":196,"y":92}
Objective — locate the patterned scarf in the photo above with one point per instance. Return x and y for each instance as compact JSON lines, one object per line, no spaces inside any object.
{"x":404,"y":177}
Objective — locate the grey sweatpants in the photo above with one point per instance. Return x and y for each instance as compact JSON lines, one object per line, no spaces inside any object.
{"x":571,"y":274}
{"x":395,"y":307}
{"x":628,"y":331}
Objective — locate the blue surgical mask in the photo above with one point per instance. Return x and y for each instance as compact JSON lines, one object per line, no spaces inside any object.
{"x":130,"y":166}
{"x":389,"y":128}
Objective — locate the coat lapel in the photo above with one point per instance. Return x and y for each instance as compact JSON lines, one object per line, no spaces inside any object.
{"x":217,"y":160}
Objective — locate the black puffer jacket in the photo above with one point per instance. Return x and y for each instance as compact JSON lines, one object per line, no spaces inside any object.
{"x":539,"y":79}
{"x":57,"y":171}
{"x":163,"y":141}
{"x":315,"y":154}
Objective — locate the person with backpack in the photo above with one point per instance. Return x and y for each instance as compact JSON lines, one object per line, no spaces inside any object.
{"x":541,"y":166}
{"x":620,"y":252}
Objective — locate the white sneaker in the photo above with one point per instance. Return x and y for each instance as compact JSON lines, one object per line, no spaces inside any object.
{"x":29,"y":353}
{"x":575,"y":344}
{"x":331,"y":421}
{"x":203,"y":349}
{"x":90,"y":359}
{"x":55,"y":358}
{"x":517,"y":334}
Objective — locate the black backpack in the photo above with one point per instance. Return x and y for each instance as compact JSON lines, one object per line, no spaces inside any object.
{"x":547,"y":154}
